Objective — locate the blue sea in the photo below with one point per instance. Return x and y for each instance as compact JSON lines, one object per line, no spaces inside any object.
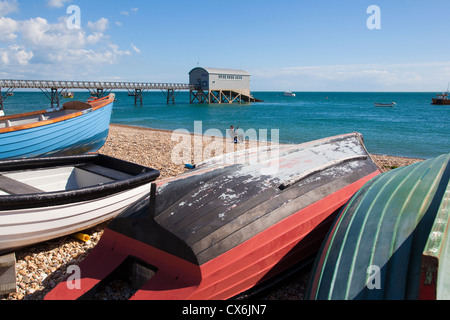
{"x":413,"y":128}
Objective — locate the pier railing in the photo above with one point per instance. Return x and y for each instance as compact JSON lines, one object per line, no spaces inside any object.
{"x":107,"y":85}
{"x":54,"y":89}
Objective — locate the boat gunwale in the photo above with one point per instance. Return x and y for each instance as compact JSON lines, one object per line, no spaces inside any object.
{"x":141,"y":176}
{"x":95,"y":105}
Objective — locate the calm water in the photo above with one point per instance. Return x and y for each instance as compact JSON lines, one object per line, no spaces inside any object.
{"x":414,"y":128}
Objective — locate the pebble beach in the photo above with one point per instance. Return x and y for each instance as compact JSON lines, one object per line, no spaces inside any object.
{"x":41,"y":267}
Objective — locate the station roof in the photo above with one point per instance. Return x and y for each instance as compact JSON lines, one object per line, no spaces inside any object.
{"x":223,"y":71}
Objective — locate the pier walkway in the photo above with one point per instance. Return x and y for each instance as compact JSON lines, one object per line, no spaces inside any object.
{"x":55,"y":90}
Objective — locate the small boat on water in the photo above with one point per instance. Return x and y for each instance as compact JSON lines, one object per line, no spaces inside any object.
{"x":68,"y":95}
{"x":47,"y":198}
{"x":76,"y":128}
{"x":230,"y":224}
{"x":392,"y":241}
{"x":386,"y":105}
{"x":441,"y":99}
{"x":289,"y":94}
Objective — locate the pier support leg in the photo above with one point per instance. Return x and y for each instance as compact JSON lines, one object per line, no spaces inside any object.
{"x":138,"y":98}
{"x":53,"y":95}
{"x":3,"y":98}
{"x":99,"y":92}
{"x":200,"y":96}
{"x":171,"y":95}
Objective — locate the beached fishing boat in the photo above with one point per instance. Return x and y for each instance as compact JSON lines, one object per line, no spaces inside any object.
{"x":386,"y":105}
{"x":392,"y":240}
{"x":76,"y":128}
{"x":46,"y":198}
{"x":232,"y":223}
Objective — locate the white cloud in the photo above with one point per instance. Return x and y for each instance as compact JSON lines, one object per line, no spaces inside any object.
{"x":94,"y":38}
{"x":15,"y":55}
{"x":7,"y":7}
{"x":8,"y":29}
{"x":41,"y":34}
{"x":127,"y":13}
{"x":136,"y":49}
{"x":99,"y":26}
{"x":45,"y":49}
{"x":358,"y":77}
{"x":57,"y":3}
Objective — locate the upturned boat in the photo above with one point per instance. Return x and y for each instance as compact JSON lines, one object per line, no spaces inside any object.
{"x":47,"y":198}
{"x":229,"y":225}
{"x":76,"y":128}
{"x":392,"y":240}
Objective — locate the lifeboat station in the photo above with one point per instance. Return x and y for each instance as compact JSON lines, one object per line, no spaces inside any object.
{"x":209,"y":85}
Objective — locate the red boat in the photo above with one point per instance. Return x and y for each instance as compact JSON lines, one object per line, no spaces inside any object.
{"x":230,"y":224}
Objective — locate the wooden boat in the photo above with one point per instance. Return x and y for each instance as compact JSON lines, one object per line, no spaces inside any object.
{"x":386,"y":105}
{"x":76,"y":128}
{"x":46,"y":198}
{"x":387,"y":242}
{"x":230,"y":224}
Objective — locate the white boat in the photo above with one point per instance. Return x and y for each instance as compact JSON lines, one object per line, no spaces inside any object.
{"x":46,"y":198}
{"x":388,"y":105}
{"x":289,"y":94}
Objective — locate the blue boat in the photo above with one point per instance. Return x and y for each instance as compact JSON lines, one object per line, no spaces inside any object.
{"x":76,"y":128}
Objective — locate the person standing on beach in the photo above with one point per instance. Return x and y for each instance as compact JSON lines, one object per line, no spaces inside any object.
{"x":233,"y":134}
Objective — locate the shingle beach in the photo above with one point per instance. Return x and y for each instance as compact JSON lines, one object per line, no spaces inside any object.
{"x":41,"y":267}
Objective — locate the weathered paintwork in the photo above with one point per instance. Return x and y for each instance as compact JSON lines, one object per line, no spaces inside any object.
{"x":232,"y":223}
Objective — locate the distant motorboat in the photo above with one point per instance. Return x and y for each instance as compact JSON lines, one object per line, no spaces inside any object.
{"x":289,"y":94}
{"x":68,"y":95}
{"x":388,"y":105}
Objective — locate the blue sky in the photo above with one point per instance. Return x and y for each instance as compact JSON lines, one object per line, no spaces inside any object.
{"x":321,"y":45}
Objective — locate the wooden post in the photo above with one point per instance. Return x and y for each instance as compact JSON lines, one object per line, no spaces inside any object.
{"x":7,"y":274}
{"x":138,"y":98}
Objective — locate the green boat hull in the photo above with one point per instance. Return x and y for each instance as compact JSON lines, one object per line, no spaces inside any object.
{"x":391,"y":240}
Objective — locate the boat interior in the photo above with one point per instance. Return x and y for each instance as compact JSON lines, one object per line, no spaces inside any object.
{"x":43,"y":115}
{"x":57,"y":179}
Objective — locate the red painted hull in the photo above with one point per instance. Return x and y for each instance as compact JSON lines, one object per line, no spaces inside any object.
{"x":239,"y":269}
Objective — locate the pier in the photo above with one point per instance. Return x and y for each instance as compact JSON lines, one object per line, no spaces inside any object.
{"x":206,"y":85}
{"x":55,"y":90}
